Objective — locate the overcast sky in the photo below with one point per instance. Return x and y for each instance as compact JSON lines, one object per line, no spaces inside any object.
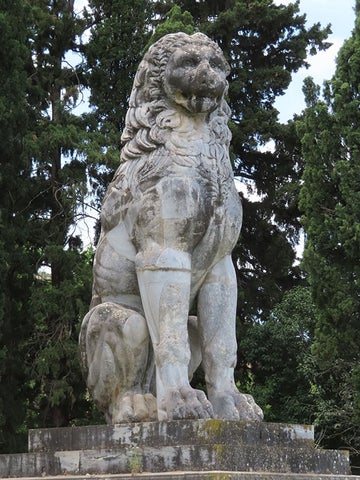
{"x":340,"y":14}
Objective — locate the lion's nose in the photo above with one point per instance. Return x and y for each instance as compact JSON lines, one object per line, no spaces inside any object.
{"x":204,"y":75}
{"x":207,"y":80}
{"x":203,"y":69}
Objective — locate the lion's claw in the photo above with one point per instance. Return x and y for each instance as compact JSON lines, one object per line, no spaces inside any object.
{"x":187,"y":403}
{"x":236,"y":406}
{"x":134,"y":407}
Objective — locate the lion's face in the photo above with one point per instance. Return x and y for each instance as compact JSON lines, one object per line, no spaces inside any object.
{"x":195,"y":77}
{"x":180,"y":75}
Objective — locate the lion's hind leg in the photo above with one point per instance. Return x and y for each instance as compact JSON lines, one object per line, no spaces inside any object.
{"x":116,"y":357}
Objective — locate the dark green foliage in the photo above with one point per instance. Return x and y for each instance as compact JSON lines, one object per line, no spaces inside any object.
{"x":263,"y":275}
{"x":16,"y":258}
{"x":278,"y":354}
{"x":118,"y":35}
{"x":175,"y":21}
{"x":52,"y":360}
{"x":43,"y":181}
{"x":330,"y":199}
{"x":61,"y":291}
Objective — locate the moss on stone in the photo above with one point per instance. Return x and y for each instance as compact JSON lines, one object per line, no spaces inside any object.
{"x":213,"y":426}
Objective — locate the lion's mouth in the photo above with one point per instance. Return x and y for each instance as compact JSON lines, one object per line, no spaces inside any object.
{"x":197,"y":103}
{"x":203,"y":104}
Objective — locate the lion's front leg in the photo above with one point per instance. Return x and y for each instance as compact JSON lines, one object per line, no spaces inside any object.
{"x":217,"y":318}
{"x":164,"y":278}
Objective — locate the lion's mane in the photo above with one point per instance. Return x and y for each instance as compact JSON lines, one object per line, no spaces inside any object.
{"x":150,"y":118}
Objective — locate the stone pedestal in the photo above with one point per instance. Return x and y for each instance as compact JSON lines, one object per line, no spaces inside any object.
{"x":198,"y":449}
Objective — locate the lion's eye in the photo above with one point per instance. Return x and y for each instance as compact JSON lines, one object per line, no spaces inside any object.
{"x":216,"y":63}
{"x":190,"y":62}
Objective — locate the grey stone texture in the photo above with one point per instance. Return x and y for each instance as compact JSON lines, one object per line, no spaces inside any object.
{"x":170,"y":219}
{"x":168,"y":448}
{"x":213,"y":475}
{"x":173,"y":433}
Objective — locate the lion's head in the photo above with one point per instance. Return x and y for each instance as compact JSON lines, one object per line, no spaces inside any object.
{"x":179,"y":75}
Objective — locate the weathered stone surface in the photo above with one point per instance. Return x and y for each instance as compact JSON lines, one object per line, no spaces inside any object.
{"x":170,"y":219}
{"x":213,"y":475}
{"x":165,"y":447}
{"x":28,"y":464}
{"x":167,"y":459}
{"x":180,"y":432}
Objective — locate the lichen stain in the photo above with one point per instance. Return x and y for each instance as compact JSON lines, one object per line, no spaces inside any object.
{"x":212,"y":427}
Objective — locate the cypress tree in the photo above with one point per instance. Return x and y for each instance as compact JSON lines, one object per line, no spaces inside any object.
{"x":60,"y":295}
{"x":16,"y":254}
{"x":119,"y":32}
{"x":330,"y":199}
{"x":45,"y":282}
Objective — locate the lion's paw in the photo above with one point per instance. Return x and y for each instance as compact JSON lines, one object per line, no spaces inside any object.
{"x":133,"y":407}
{"x":186,"y":403}
{"x":236,"y":406}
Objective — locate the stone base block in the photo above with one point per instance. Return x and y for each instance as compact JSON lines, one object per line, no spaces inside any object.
{"x":175,"y":433}
{"x":214,"y":449}
{"x":212,"y":475}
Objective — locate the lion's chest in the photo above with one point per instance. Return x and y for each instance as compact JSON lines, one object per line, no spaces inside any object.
{"x":193,"y":207}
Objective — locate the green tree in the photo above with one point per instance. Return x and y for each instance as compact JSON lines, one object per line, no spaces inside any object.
{"x":57,"y":133}
{"x":330,"y":199}
{"x":17,"y":265}
{"x":278,"y":355}
{"x":45,"y":279}
{"x":60,"y":294}
{"x":119,"y":32}
{"x":57,"y":394}
{"x":175,"y":21}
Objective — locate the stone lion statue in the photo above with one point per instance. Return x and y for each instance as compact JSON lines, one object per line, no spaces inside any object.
{"x":170,"y":219}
